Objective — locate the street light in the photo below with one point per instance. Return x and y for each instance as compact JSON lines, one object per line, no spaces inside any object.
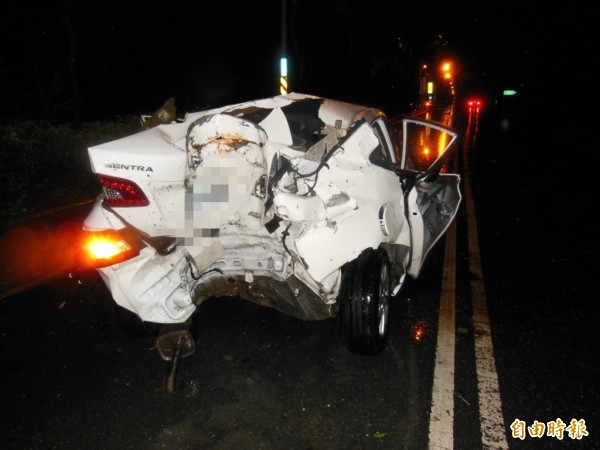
{"x":447,"y":70}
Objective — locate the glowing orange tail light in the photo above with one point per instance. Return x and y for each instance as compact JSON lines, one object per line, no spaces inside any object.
{"x":105,"y":248}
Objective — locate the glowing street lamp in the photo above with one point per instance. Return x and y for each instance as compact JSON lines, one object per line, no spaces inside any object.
{"x":447,"y":70}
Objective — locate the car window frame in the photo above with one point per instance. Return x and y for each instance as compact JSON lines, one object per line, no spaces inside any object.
{"x":387,"y":142}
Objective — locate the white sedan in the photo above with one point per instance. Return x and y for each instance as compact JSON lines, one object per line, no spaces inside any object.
{"x":315,"y":207}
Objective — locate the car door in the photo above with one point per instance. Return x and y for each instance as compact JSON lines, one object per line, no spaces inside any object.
{"x":432,"y":191}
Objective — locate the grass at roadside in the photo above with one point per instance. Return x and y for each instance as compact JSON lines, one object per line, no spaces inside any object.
{"x":45,"y":165}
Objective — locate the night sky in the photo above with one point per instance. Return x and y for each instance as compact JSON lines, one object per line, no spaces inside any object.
{"x":102,"y":59}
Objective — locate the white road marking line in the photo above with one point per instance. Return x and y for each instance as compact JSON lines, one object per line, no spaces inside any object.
{"x":441,"y":418}
{"x":490,"y":406}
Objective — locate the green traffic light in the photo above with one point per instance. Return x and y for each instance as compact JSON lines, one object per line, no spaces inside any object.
{"x":509,"y":92}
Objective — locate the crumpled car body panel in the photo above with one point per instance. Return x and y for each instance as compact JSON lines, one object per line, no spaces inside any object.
{"x":269,"y":200}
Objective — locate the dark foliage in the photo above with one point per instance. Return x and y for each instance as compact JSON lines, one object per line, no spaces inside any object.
{"x":45,"y":164}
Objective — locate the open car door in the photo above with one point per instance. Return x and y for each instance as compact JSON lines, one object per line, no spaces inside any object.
{"x":433,"y":199}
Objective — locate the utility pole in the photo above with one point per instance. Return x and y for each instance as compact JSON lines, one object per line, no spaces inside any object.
{"x":283,"y":69}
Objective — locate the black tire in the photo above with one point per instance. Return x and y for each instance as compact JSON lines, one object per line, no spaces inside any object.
{"x":364,"y":302}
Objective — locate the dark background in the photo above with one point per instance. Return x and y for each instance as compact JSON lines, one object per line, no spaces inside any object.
{"x":86,"y":383}
{"x":80,"y":60}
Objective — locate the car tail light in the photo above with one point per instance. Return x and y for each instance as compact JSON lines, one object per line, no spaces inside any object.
{"x":474,"y":103}
{"x":105,"y":248}
{"x":120,"y":192}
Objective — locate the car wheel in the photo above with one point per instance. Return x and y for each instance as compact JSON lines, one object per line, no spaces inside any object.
{"x":364,"y":302}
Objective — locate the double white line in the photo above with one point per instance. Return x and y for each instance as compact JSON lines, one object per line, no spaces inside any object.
{"x":441,"y":419}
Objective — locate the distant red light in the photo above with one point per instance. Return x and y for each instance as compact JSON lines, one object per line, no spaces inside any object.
{"x":474,"y":103}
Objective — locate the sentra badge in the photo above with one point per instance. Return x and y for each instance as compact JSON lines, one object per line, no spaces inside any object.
{"x":128,"y":167}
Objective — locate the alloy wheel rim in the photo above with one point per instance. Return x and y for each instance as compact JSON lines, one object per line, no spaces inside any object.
{"x":384,"y":301}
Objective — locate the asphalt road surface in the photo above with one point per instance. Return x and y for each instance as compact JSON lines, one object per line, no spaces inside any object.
{"x":524,"y":258}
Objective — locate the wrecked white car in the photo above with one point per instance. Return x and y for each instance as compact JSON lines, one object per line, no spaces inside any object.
{"x":314,"y":207}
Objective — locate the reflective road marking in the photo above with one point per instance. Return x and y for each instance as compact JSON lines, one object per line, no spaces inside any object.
{"x":490,"y":406}
{"x":441,"y":418}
